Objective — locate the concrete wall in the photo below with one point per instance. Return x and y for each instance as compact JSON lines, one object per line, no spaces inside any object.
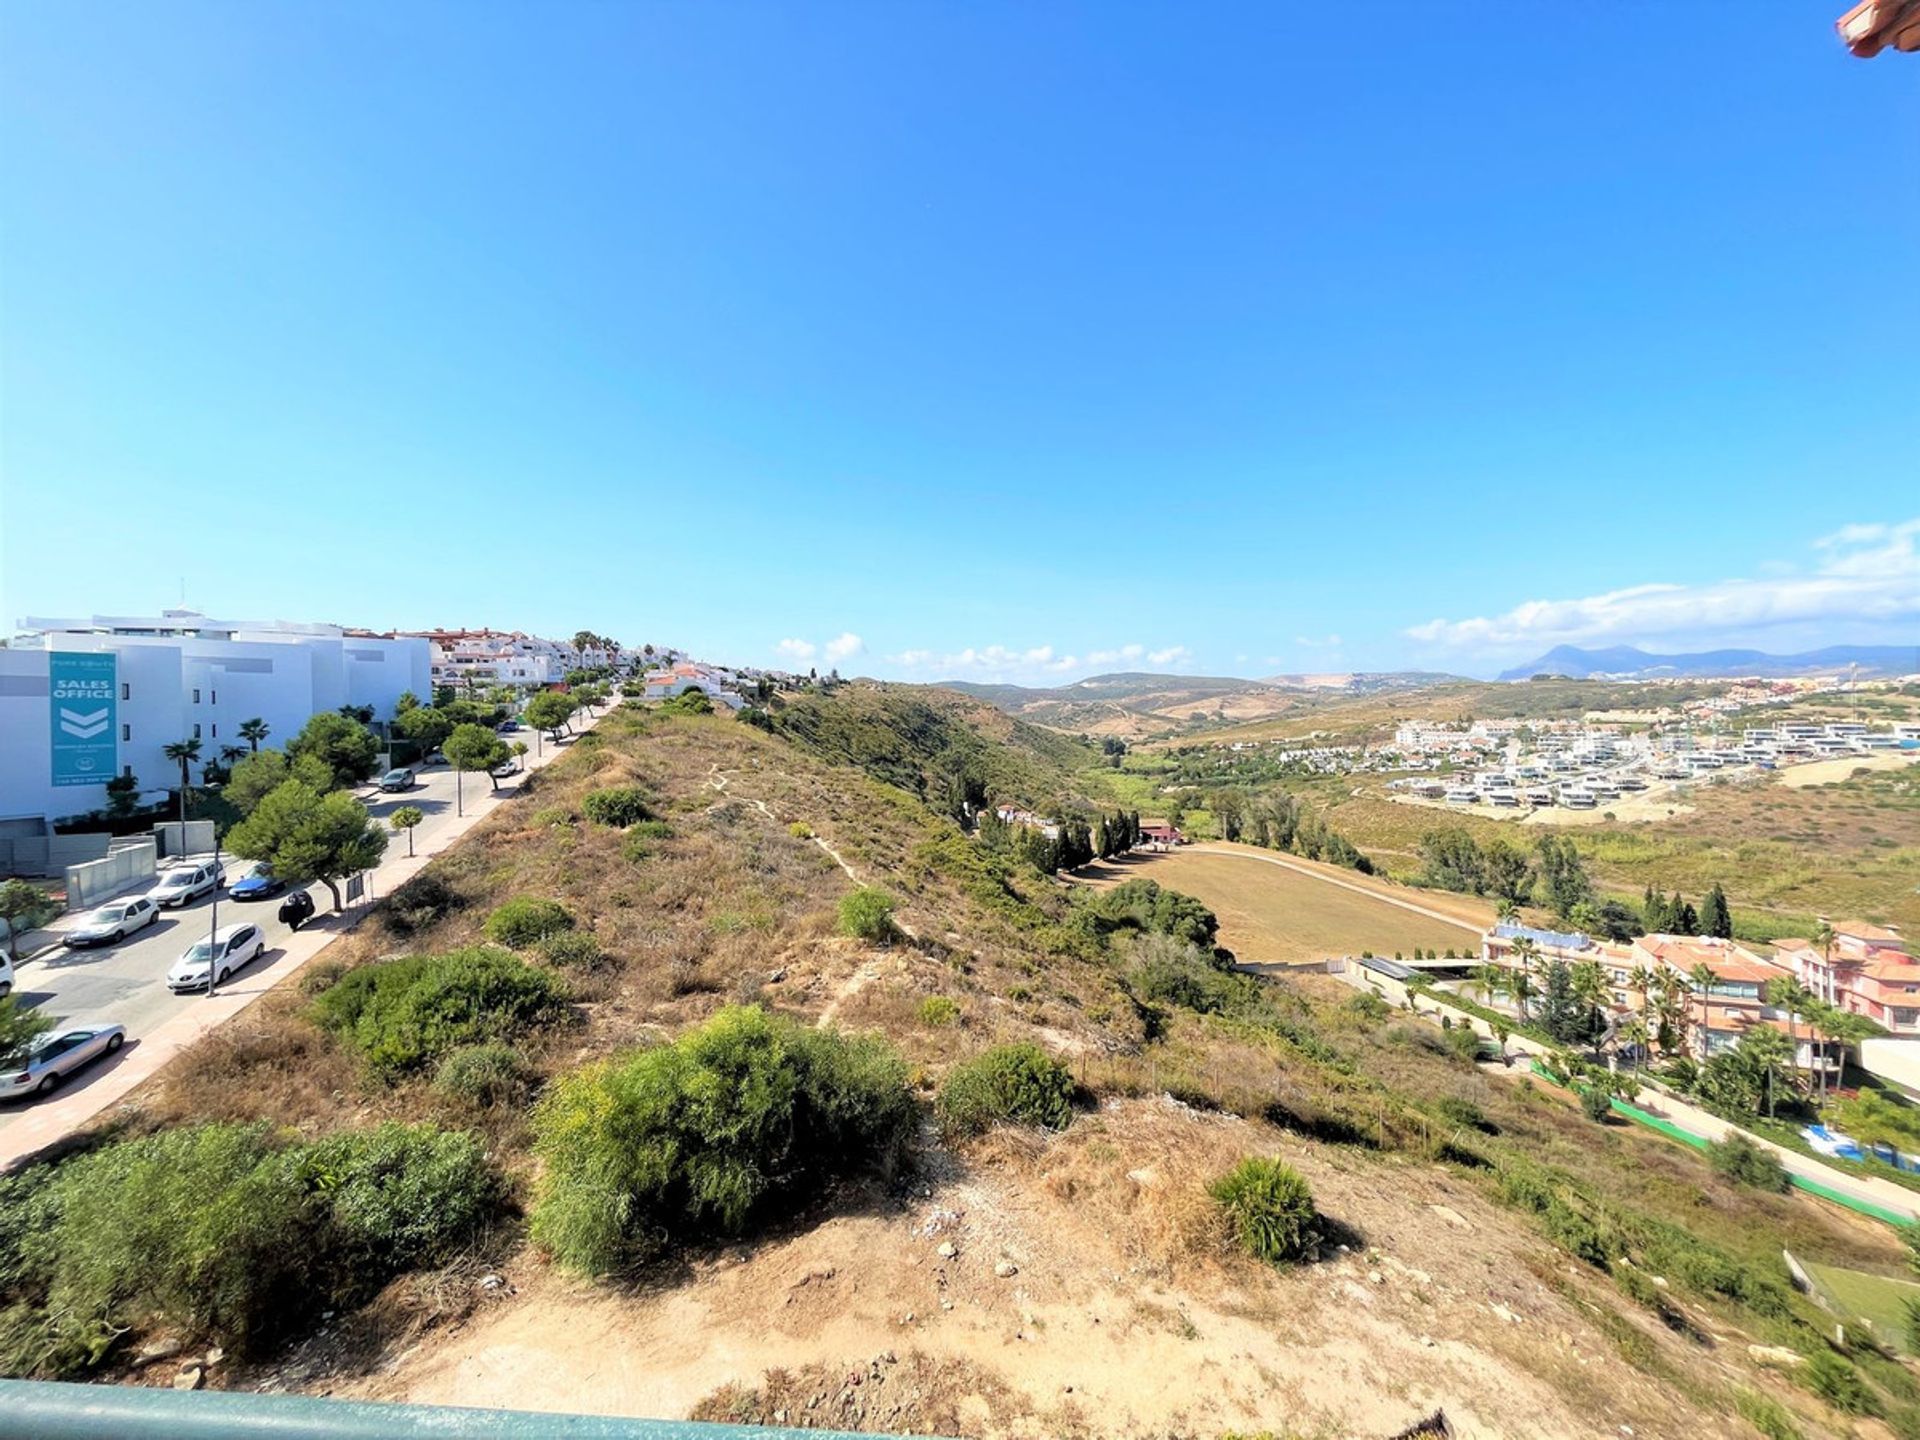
{"x":195,"y":838}
{"x":128,"y":861}
{"x":39,"y":855}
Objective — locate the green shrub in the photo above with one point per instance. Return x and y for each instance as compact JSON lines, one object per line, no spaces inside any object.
{"x":1369,"y":1007}
{"x":800,"y":830}
{"x":1463,"y":1043}
{"x":395,"y":1192}
{"x":228,"y":1230}
{"x":1456,"y":1111}
{"x":652,"y":829}
{"x":939,"y":1010}
{"x":400,"y":1014}
{"x":698,"y":1136}
{"x":548,"y":816}
{"x":620,"y":806}
{"x":1596,"y":1104}
{"x":1833,"y":1378}
{"x":1018,"y":1083}
{"x":572,"y":950}
{"x":1148,"y":907}
{"x":1767,"y":1415}
{"x":687,"y":702}
{"x":489,"y":1075}
{"x":1746,"y":1163}
{"x":867,"y":914}
{"x":1270,"y":1208}
{"x":527,"y":921}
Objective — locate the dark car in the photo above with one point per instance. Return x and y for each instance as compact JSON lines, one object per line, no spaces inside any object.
{"x":262,"y":884}
{"x":394,"y":781}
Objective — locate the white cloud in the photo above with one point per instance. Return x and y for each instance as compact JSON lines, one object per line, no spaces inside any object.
{"x":1327,"y":642}
{"x":799,"y":651}
{"x":1862,"y":575}
{"x":1035,"y":663}
{"x":844,"y":646}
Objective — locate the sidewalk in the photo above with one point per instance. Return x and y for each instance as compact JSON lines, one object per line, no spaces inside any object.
{"x":44,"y":1122}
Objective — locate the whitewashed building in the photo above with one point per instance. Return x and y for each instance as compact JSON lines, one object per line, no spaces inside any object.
{"x":151,"y":681}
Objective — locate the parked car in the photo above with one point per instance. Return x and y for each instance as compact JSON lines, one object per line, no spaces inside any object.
{"x":6,"y":976}
{"x":230,"y":948}
{"x":184,"y":884}
{"x":394,"y":781}
{"x":50,"y":1059}
{"x":112,"y":922}
{"x":505,"y":769}
{"x":262,"y":884}
{"x":432,"y":757}
{"x":507,"y":727}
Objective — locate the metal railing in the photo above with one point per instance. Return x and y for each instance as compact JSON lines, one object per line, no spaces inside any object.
{"x":53,"y":1410}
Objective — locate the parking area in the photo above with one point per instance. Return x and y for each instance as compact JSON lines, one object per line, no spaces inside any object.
{"x":126,"y":983}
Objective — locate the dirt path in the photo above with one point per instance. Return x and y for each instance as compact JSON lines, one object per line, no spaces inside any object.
{"x":873,"y":969}
{"x":1366,"y":890}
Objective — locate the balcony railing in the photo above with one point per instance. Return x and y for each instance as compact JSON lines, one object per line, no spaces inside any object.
{"x":50,"y":1410}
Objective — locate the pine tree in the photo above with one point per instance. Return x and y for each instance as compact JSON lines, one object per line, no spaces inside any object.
{"x":1715,"y":918}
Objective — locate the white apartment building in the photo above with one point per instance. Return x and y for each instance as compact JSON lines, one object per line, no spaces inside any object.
{"x":477,"y":658}
{"x":156,"y":680}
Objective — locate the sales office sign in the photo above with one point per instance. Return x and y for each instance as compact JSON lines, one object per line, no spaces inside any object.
{"x":85,"y":692}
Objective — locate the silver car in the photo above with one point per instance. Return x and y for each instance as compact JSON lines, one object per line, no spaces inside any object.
{"x":49,"y":1060}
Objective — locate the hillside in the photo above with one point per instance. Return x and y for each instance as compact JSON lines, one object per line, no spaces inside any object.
{"x":1627,"y":663}
{"x":955,"y":1239}
{"x":1139,"y":706}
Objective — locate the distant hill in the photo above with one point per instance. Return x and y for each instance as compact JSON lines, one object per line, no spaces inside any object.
{"x":1132,"y":703}
{"x":1626,"y":662}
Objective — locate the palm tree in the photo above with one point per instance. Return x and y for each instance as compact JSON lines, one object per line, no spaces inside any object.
{"x":231,"y":754}
{"x":185,"y":752}
{"x":254,"y":731}
{"x":1786,"y":993}
{"x":1765,"y":1048}
{"x":1672,"y":1010}
{"x":1520,"y":987}
{"x":1643,"y":982}
{"x":1590,"y":985}
{"x":1703,"y":977}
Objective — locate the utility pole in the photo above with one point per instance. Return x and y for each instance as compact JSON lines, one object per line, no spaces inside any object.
{"x":213,"y":921}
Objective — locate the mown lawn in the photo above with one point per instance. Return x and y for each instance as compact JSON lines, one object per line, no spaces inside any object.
{"x":1273,"y":915}
{"x":1877,"y":1298}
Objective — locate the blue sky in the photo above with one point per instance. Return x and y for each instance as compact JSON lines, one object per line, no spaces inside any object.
{"x":967,"y":340}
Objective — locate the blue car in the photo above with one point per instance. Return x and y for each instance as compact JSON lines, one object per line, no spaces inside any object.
{"x":263,"y":884}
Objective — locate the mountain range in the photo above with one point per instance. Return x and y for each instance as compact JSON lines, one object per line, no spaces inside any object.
{"x":1627,"y":662}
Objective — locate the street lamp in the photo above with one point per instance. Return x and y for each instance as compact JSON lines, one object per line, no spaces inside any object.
{"x":213,"y":921}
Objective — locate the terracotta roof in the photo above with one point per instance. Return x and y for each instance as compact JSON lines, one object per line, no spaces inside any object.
{"x":1727,"y":960}
{"x":1873,"y":25}
{"x":1871,"y":934}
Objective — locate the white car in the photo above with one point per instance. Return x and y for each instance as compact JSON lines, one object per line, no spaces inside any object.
{"x":229,"y":949}
{"x":6,"y":976}
{"x":184,"y":884}
{"x":113,"y":922}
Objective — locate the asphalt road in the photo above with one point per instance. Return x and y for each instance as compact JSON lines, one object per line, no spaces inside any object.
{"x":127,"y":982}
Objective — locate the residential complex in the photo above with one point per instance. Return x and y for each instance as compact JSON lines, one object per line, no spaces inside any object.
{"x":85,"y":700}
{"x":1868,"y":970}
{"x":1725,"y":982}
{"x":469,"y":659}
